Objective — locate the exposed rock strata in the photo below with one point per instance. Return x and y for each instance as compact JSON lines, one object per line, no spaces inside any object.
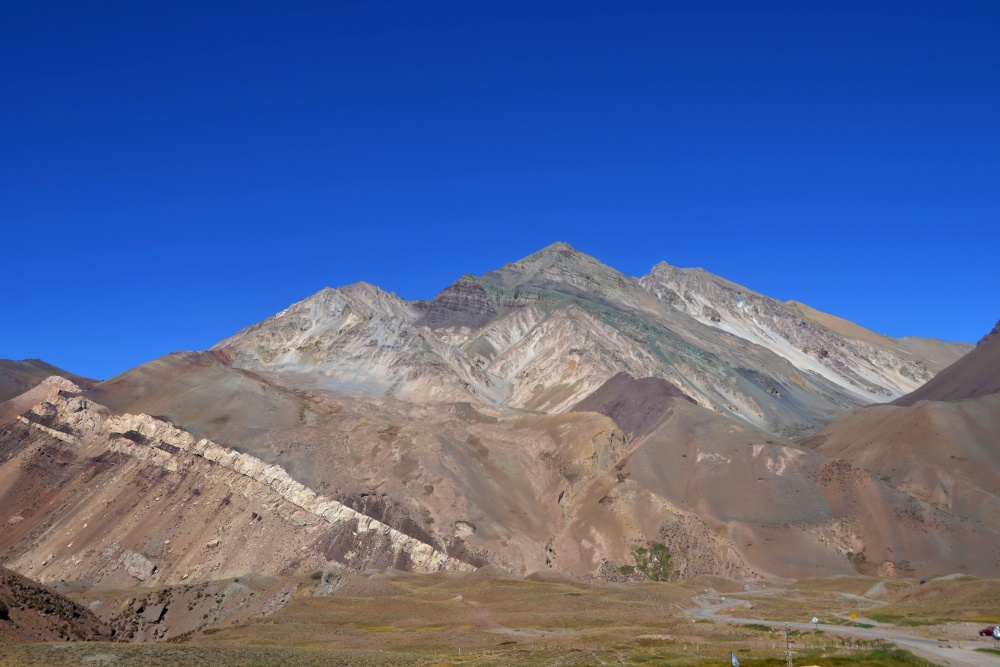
{"x":162,"y":445}
{"x":81,"y":455}
{"x":544,"y":332}
{"x":464,"y":304}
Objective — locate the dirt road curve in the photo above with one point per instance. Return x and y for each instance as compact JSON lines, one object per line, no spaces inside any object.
{"x":943,"y":652}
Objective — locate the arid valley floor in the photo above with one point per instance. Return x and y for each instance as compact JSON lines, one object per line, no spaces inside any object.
{"x":490,"y":618}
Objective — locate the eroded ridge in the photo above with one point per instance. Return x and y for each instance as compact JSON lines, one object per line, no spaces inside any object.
{"x":162,"y":444}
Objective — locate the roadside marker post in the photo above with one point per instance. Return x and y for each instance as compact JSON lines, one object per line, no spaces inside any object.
{"x":788,"y":647}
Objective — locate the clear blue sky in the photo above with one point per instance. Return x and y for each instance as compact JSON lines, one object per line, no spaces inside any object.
{"x":172,"y":172}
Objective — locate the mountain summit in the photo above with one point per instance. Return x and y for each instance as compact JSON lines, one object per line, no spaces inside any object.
{"x":555,"y":266}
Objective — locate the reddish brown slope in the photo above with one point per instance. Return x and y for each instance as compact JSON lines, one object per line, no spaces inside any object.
{"x":17,"y":377}
{"x":787,"y":510}
{"x":726,"y":497}
{"x":939,"y":444}
{"x":637,"y":406}
{"x":36,"y":613}
{"x":199,"y":392}
{"x":975,"y":374}
{"x":943,"y":452}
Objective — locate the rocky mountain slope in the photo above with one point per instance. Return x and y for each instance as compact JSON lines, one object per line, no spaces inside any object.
{"x":17,"y":377}
{"x":544,"y":332}
{"x":128,"y":499}
{"x":120,"y":499}
{"x":551,"y":415}
{"x":32,"y":612}
{"x":974,"y":375}
{"x":939,"y":444}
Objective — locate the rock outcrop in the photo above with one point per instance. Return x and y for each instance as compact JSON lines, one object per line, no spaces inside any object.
{"x":17,"y":377}
{"x":165,"y":446}
{"x":90,"y":461}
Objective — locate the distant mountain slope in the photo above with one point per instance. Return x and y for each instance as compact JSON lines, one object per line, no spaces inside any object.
{"x":939,"y":444}
{"x":975,"y":374}
{"x":544,"y":332}
{"x":17,"y":377}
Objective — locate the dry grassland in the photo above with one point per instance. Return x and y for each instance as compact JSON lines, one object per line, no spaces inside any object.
{"x":488,"y":619}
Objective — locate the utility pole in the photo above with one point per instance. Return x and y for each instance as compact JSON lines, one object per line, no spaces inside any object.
{"x":788,"y":647}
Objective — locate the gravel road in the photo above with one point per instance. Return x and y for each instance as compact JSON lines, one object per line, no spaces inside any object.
{"x":944,"y":652}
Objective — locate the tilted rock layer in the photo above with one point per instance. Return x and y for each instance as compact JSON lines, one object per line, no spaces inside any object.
{"x":143,"y":501}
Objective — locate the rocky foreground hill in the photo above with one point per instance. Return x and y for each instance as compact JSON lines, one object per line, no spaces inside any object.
{"x":31,"y":612}
{"x":551,"y":415}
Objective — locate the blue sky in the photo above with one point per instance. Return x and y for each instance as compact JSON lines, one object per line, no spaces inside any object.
{"x":170,"y":174}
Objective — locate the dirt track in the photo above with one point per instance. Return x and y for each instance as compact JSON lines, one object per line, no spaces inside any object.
{"x":946,"y":652}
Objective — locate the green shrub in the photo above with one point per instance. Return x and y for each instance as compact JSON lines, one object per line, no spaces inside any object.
{"x":654,"y":562}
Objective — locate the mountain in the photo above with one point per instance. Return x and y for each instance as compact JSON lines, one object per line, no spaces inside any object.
{"x":553,"y":414}
{"x":544,"y":332}
{"x":127,"y":499}
{"x":17,"y":377}
{"x":939,"y":444}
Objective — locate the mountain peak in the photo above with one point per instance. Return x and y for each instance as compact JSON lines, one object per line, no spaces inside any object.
{"x":991,"y":335}
{"x":554,"y":248}
{"x":663,"y":270}
{"x":558,"y":263}
{"x":558,"y":246}
{"x":558,"y":252}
